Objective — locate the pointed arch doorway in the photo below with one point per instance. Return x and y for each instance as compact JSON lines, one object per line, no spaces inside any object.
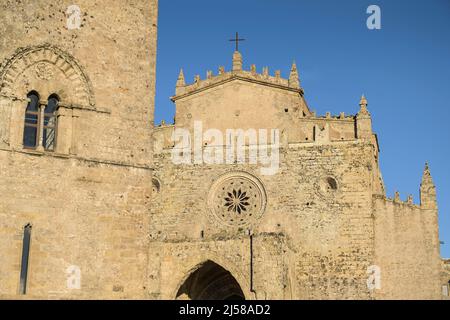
{"x":210,"y":282}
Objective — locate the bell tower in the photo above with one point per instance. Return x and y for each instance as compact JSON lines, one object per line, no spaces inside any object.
{"x":77,"y":87}
{"x":98,"y":57}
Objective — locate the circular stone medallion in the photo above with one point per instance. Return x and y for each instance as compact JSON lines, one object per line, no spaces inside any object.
{"x":237,"y":199}
{"x":44,"y":71}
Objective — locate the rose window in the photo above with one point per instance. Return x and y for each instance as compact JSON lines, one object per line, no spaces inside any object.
{"x":237,"y":199}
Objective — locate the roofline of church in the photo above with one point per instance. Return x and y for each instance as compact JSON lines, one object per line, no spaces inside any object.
{"x":237,"y":73}
{"x":231,"y":76}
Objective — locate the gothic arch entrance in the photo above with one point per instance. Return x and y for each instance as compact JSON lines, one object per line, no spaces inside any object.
{"x":210,"y":282}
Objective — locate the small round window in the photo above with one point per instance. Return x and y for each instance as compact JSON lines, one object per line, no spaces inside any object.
{"x":328,"y":185}
{"x":331,"y":184}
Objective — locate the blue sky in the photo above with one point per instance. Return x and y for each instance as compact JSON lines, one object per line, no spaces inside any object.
{"x":403,"y":69}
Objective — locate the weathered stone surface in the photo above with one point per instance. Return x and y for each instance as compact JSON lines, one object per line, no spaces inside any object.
{"x":111,"y":201}
{"x":326,"y":208}
{"x":88,"y":201}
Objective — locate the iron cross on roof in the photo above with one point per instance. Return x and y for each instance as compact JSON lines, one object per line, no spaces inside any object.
{"x":237,"y":41}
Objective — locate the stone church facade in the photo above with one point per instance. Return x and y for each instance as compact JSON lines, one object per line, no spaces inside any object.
{"x":93,"y":205}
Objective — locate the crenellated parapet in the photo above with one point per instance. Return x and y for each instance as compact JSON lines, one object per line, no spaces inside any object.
{"x":427,"y":194}
{"x":396,"y":200}
{"x":237,"y":72}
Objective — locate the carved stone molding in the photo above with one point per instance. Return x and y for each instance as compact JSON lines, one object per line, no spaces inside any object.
{"x":45,"y":61}
{"x":44,"y":71}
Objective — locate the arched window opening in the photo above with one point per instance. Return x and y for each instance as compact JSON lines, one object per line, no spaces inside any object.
{"x":25,"y":258}
{"x":40,"y":122}
{"x":32,"y":119}
{"x":49,"y":133}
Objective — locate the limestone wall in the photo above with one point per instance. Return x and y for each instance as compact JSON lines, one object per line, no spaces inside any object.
{"x":88,"y":200}
{"x":138,"y":225}
{"x":83,"y":213}
{"x":321,"y":240}
{"x":406,"y":250}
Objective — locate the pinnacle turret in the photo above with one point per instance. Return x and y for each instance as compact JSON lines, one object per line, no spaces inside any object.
{"x":363,"y":120}
{"x":427,"y":179}
{"x":427,"y":189}
{"x":294,"y":80}
{"x":181,"y":82}
{"x":237,"y":61}
{"x":363,"y":107}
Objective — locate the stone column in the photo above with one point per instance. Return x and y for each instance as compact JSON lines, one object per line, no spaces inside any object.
{"x":40,"y":146}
